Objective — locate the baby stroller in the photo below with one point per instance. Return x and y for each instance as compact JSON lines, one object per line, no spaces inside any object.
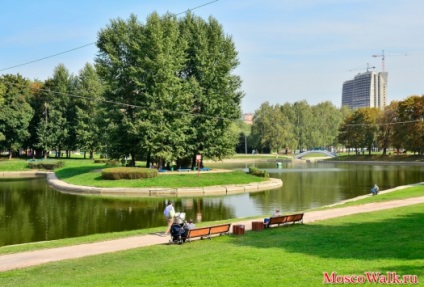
{"x":178,"y":229}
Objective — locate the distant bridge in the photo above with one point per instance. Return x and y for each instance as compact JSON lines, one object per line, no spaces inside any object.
{"x":324,"y":152}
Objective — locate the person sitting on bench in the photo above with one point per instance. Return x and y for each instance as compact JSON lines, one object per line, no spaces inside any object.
{"x":275,"y":214}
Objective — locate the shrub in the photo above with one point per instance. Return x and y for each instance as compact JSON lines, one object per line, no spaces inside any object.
{"x":116,"y":173}
{"x":49,"y":164}
{"x":257,"y":172}
{"x":101,"y":160}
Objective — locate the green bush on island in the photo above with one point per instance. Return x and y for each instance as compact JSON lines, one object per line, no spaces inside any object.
{"x":116,"y":173}
{"x":257,"y":172}
{"x":49,"y":165}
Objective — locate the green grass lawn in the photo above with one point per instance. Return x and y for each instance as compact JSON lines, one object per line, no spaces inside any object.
{"x":84,"y":175}
{"x":383,"y":241}
{"x":414,"y":191}
{"x":87,"y":173}
{"x":13,"y":165}
{"x":379,"y":157}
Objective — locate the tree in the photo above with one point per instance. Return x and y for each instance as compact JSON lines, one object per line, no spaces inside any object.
{"x":2,"y":94}
{"x":55,"y":127}
{"x":37,"y":103}
{"x":359,"y":129}
{"x":262,"y":126}
{"x":87,"y":105}
{"x":327,"y":119}
{"x":174,"y":81}
{"x":141,"y":64}
{"x":301,"y":118}
{"x":386,"y":125}
{"x":16,"y":112}
{"x":211,"y":60}
{"x":411,"y":127}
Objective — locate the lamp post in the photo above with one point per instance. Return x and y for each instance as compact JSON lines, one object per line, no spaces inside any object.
{"x":245,"y":144}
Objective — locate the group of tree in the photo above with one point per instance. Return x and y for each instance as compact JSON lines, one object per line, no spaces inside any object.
{"x":162,"y":91}
{"x":400,"y":125}
{"x":297,"y":126}
{"x":43,"y":116}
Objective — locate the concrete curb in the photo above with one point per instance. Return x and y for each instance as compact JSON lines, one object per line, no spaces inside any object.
{"x":64,"y":187}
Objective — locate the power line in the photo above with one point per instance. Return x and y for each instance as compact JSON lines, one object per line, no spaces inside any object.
{"x":48,"y":57}
{"x":133,"y":106}
{"x":383,"y":124}
{"x":203,"y":5}
{"x":89,"y":44}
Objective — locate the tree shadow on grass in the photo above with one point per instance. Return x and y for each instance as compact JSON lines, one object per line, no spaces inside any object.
{"x":69,"y":172}
{"x":394,"y":238}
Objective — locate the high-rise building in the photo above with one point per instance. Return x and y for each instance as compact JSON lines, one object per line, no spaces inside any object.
{"x":368,"y":89}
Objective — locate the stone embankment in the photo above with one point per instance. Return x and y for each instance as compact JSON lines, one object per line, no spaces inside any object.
{"x":62,"y":186}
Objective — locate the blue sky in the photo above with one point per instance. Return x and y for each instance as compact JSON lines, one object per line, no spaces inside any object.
{"x":288,"y":50}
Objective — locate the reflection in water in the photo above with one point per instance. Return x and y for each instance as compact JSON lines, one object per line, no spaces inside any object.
{"x":31,"y":211}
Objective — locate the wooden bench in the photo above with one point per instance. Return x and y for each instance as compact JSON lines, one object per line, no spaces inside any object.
{"x":285,"y":219}
{"x":276,"y":220}
{"x":293,"y":218}
{"x":207,"y":232}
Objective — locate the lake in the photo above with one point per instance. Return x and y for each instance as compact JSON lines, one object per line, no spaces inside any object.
{"x":31,"y":211}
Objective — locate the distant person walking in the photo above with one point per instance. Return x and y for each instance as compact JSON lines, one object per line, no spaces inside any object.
{"x":169,"y":213}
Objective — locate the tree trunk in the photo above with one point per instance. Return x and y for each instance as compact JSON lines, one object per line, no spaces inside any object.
{"x":132,"y":161}
{"x":10,"y":154}
{"x":148,"y":160}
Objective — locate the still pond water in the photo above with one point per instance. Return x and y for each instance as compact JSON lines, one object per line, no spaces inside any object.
{"x":31,"y":211}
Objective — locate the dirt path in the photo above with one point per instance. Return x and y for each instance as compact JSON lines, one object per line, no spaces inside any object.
{"x":31,"y":258}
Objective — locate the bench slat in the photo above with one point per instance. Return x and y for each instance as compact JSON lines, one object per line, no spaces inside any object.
{"x":277,"y":220}
{"x":198,"y":232}
{"x":220,"y":229}
{"x":285,"y":219}
{"x":207,"y":231}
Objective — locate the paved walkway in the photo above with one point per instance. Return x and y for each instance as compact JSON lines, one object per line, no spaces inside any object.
{"x":31,"y":258}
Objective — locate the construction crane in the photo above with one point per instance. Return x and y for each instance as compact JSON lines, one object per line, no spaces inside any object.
{"x":362,"y":67}
{"x":382,"y":60}
{"x":382,"y":55}
{"x":368,"y":67}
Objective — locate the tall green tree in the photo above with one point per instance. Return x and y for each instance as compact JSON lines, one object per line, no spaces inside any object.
{"x":2,"y":94}
{"x":16,"y":112}
{"x":386,"y":122}
{"x":326,"y":121}
{"x":411,"y":128}
{"x":55,"y":127}
{"x":262,"y":126}
{"x":174,"y":81}
{"x":37,"y":104}
{"x":87,"y":106}
{"x":140,"y":64}
{"x":359,"y":130}
{"x":211,"y":60}
{"x":301,"y":118}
